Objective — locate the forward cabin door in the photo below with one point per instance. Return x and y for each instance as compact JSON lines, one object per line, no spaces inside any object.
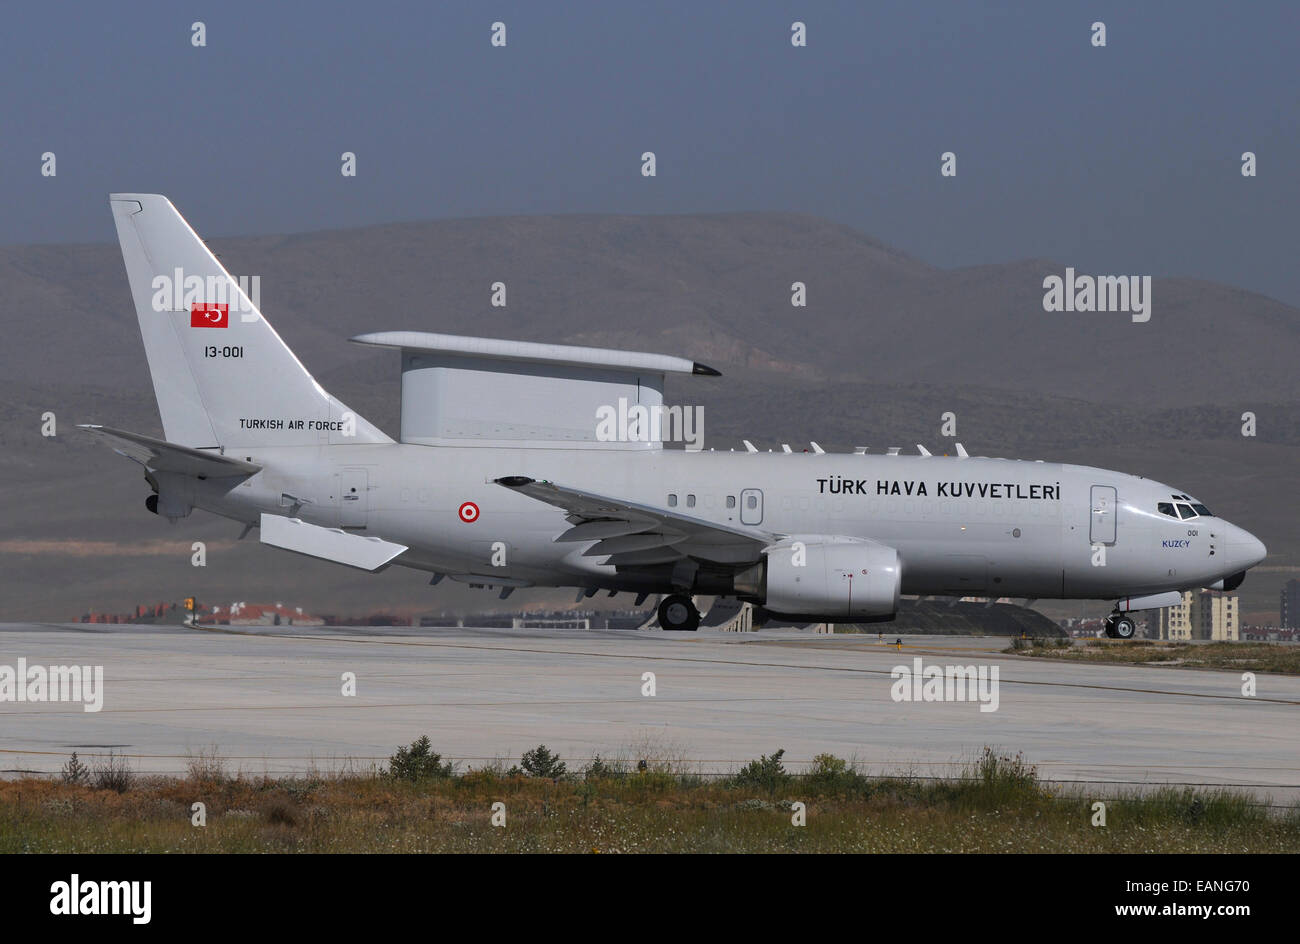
{"x":1102,"y":527}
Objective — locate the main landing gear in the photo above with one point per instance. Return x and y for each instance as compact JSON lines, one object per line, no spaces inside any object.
{"x":1120,"y":626}
{"x":677,"y":613}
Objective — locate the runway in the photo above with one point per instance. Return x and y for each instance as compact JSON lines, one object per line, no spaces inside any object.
{"x":270,"y":700}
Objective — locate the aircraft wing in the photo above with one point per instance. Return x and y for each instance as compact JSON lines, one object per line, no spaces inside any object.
{"x":633,"y":534}
{"x":162,"y":456}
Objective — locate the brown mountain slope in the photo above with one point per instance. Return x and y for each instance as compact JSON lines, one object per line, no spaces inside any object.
{"x":716,"y":288}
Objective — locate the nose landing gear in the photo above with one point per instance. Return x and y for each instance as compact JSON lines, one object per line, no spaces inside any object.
{"x":1120,"y":626}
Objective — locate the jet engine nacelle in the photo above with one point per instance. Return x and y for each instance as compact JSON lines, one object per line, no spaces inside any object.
{"x":828,"y":576}
{"x":173,"y":496}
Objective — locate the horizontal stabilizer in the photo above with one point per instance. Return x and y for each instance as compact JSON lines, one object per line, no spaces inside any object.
{"x":331,"y":544}
{"x":162,"y":456}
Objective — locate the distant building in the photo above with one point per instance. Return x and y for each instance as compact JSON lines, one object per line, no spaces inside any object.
{"x":1172,"y":622}
{"x":1202,"y":614}
{"x":1269,"y":634}
{"x":1290,"y":605}
{"x":1216,"y":616}
{"x":264,"y":614}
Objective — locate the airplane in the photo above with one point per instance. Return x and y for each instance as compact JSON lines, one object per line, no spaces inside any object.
{"x":502,"y":476}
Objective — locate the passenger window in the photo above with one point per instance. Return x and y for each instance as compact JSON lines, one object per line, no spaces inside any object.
{"x":690,"y":501}
{"x":1185,"y":511}
{"x":751,"y":502}
{"x":672,"y":501}
{"x":1166,"y":508}
{"x":731,"y":501}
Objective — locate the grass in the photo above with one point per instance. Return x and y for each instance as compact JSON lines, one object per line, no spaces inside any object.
{"x":1236,"y":656}
{"x":997,"y":805}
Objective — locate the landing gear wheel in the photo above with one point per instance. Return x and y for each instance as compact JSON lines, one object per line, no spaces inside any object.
{"x":1119,"y":626}
{"x":677,"y":613}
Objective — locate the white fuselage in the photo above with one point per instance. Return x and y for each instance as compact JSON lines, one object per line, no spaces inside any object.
{"x":993,"y":527}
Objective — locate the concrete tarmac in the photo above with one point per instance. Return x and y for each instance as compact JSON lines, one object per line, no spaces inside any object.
{"x":270,"y":700}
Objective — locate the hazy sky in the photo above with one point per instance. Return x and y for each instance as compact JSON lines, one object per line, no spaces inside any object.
{"x":1121,"y":160}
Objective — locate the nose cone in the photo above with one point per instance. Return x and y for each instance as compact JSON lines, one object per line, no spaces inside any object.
{"x":1244,"y":549}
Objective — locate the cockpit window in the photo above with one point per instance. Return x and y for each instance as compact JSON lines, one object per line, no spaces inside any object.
{"x":1184,"y":510}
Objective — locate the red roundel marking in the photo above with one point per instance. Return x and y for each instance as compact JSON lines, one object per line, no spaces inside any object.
{"x":468,"y":512}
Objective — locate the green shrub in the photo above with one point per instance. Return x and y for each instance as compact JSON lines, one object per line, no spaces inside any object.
{"x":75,"y":772}
{"x":540,"y":762}
{"x":766,"y":773}
{"x":1194,"y":808}
{"x":831,"y":774}
{"x":1000,"y":781}
{"x":600,"y":769}
{"x":828,"y":765}
{"x":418,"y":762}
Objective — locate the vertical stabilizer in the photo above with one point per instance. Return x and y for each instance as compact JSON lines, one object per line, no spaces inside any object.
{"x":221,"y":374}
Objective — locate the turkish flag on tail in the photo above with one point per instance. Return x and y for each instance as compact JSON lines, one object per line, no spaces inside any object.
{"x":204,"y":315}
